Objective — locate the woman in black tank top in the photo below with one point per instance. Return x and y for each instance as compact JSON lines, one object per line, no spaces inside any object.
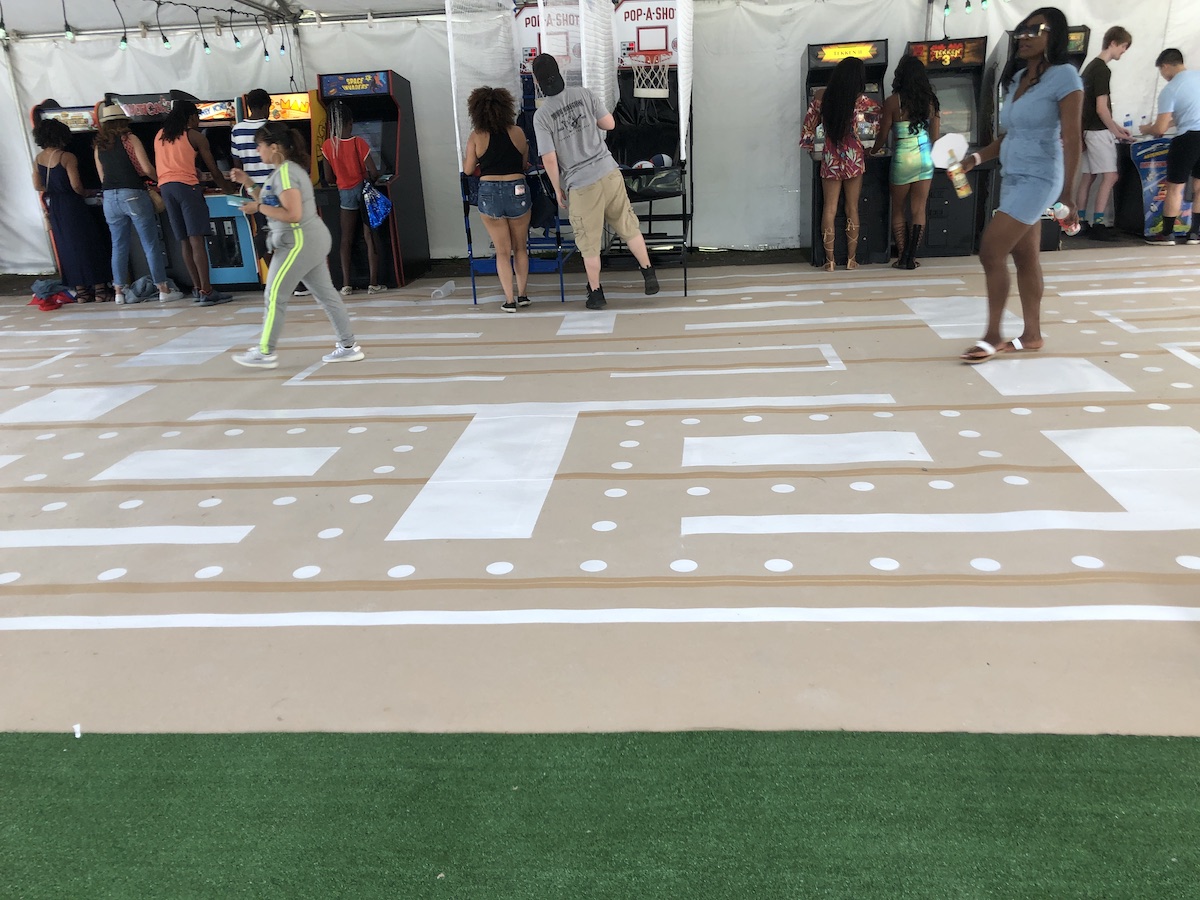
{"x":498,"y":152}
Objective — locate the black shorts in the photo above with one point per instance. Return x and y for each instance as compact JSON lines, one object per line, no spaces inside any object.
{"x":186,"y":209}
{"x":1183,"y":159}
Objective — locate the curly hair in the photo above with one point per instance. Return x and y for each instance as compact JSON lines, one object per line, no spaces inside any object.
{"x":287,"y":139}
{"x":492,"y":110}
{"x":918,"y":101}
{"x":176,"y":125}
{"x":847,"y":81}
{"x":51,"y":134}
{"x":111,"y":133}
{"x":1056,"y":46}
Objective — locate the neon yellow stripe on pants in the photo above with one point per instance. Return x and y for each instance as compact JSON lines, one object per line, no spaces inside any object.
{"x":273,"y":292}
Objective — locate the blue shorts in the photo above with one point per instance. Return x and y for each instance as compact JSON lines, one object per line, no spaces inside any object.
{"x":350,"y":198}
{"x":1026,"y":197}
{"x":186,"y":209}
{"x":504,"y":199}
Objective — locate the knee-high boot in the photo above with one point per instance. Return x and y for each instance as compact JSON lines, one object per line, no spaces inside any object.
{"x":900,"y":236}
{"x":910,"y":249}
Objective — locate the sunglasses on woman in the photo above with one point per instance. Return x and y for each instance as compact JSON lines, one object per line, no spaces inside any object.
{"x":1031,"y":31}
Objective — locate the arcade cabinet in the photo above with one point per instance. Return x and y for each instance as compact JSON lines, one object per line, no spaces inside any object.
{"x":874,"y":212}
{"x":231,"y":257}
{"x":955,"y":69}
{"x":84,"y":123}
{"x":381,"y":103}
{"x":302,"y":111}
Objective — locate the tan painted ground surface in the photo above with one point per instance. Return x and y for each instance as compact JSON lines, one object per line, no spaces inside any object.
{"x":877,"y":499}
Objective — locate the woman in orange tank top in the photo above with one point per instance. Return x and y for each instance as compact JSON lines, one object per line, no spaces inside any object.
{"x":175,"y":149}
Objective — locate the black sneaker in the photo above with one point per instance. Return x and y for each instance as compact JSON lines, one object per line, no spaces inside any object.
{"x":596,"y":299}
{"x":1101,"y":232}
{"x":1161,"y":240}
{"x":651,"y":280}
{"x":522,"y":300}
{"x":1193,"y":237}
{"x":509,"y":306}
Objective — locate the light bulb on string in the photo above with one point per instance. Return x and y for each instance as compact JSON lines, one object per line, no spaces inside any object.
{"x":68,"y":32}
{"x":282,"y":49}
{"x":200,"y":25}
{"x":946,"y":9}
{"x":237,"y":41}
{"x":124,"y":45}
{"x":158,"y":21}
{"x":967,"y":9}
{"x":983,"y":4}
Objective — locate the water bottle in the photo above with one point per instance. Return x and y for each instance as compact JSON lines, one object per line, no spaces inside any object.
{"x":962,"y":187}
{"x":443,"y":292}
{"x":1128,"y":122}
{"x":1061,"y":211}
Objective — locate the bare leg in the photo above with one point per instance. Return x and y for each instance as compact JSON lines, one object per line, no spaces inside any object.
{"x":497,"y":230}
{"x":349,"y":225}
{"x":518,"y":236}
{"x":1104,"y":194}
{"x":853,"y":189}
{"x":1028,"y":257}
{"x":185,"y":247}
{"x":831,"y":189}
{"x":372,"y":254}
{"x":919,"y":201}
{"x":1000,"y":237}
{"x":637,"y":246}
{"x":1085,"y":190}
{"x":591,"y":265}
{"x":200,"y":261}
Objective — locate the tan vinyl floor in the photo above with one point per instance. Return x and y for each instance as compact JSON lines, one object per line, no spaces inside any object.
{"x":777,"y":502}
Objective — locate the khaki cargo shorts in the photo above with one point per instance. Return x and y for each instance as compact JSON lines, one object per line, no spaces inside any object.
{"x":592,"y":206}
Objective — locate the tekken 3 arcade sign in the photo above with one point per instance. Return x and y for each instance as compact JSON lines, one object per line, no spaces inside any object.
{"x":967,"y":52}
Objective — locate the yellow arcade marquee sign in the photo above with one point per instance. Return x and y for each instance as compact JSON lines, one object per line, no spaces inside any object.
{"x":832,"y":53}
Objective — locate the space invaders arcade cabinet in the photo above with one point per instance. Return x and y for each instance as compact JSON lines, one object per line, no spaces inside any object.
{"x":382,"y":106}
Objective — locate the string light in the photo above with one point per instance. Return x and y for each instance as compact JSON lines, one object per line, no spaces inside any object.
{"x":262,"y":40}
{"x":237,"y":41}
{"x":967,"y":10}
{"x":946,"y":10}
{"x":207,"y":49}
{"x":124,"y":31}
{"x":67,"y":32}
{"x":983,"y":4}
{"x":165,"y":42}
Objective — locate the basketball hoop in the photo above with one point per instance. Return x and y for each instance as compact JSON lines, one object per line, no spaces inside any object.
{"x":650,"y":73}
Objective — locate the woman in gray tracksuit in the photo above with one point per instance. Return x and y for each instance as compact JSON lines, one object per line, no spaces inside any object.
{"x":300,"y":243}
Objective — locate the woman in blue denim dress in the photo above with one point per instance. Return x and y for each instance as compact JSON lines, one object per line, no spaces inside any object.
{"x":1039,"y":159}
{"x":499,"y":149}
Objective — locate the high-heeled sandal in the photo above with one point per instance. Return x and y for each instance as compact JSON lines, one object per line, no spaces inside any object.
{"x":827,"y":242}
{"x":851,"y":245}
{"x":900,"y":236}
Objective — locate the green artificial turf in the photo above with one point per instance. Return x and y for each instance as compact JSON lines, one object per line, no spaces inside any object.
{"x":692,"y":816}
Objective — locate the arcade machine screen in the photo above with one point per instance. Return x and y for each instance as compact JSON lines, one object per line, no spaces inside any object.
{"x":959,"y":98}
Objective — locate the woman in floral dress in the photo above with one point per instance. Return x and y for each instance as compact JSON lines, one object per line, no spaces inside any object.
{"x":838,"y":109}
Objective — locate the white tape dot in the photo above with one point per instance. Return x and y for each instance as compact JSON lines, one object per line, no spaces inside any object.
{"x":107,"y":435}
{"x":777,"y":565}
{"x":1015,"y":479}
{"x":383,"y":470}
{"x":401,"y":571}
{"x":307,"y":572}
{"x":615,"y":492}
{"x":327,"y":533}
{"x":357,"y":429}
{"x":9,"y":577}
{"x":604,"y":526}
{"x":209,"y":503}
{"x":419,"y":428}
{"x":403,"y":448}
{"x":1189,"y":562}
{"x":684,"y":565}
{"x":52,"y":507}
{"x":968,"y":434}
{"x":1021,"y":411}
{"x":499,"y":568}
{"x":783,"y":488}
{"x":209,"y":572}
{"x":861,"y":486}
{"x":593,"y":565}
{"x":884,"y":564}
{"x":629,"y":444}
{"x":295,"y":431}
{"x":819,"y":417}
{"x":1087,"y":562}
{"x":129,"y":504}
{"x":45,"y":437}
{"x":283,"y":501}
{"x":751,"y":418}
{"x":950,"y":413}
{"x":234,"y":432}
{"x":111,"y":574}
{"x":983,"y":564}
{"x":73,"y":456}
{"x":697,"y":491}
{"x":622,"y":465}
{"x":634,"y":423}
{"x":690,"y":421}
{"x":941,"y":485}
{"x":361,"y":498}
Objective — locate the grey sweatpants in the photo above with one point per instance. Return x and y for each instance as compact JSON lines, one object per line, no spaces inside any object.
{"x":301,"y":254}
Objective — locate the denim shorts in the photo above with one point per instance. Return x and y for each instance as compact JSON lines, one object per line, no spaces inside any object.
{"x":504,"y":199}
{"x":350,"y":198}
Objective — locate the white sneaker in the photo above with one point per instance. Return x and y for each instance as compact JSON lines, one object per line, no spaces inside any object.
{"x":119,"y":297}
{"x":1193,"y":237}
{"x":301,"y":292}
{"x":170,"y":297}
{"x":347,"y":291}
{"x":376,"y":288}
{"x":254,"y":358}
{"x":343,"y":354}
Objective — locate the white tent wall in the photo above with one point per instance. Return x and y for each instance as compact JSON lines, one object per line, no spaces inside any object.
{"x":752,"y":182}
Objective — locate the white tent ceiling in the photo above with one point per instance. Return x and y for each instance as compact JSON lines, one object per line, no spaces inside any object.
{"x":45,"y":17}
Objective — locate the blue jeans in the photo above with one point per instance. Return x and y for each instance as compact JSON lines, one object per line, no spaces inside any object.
{"x":122,"y":207}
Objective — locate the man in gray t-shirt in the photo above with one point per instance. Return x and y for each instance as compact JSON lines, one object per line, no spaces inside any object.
{"x":569,"y":126}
